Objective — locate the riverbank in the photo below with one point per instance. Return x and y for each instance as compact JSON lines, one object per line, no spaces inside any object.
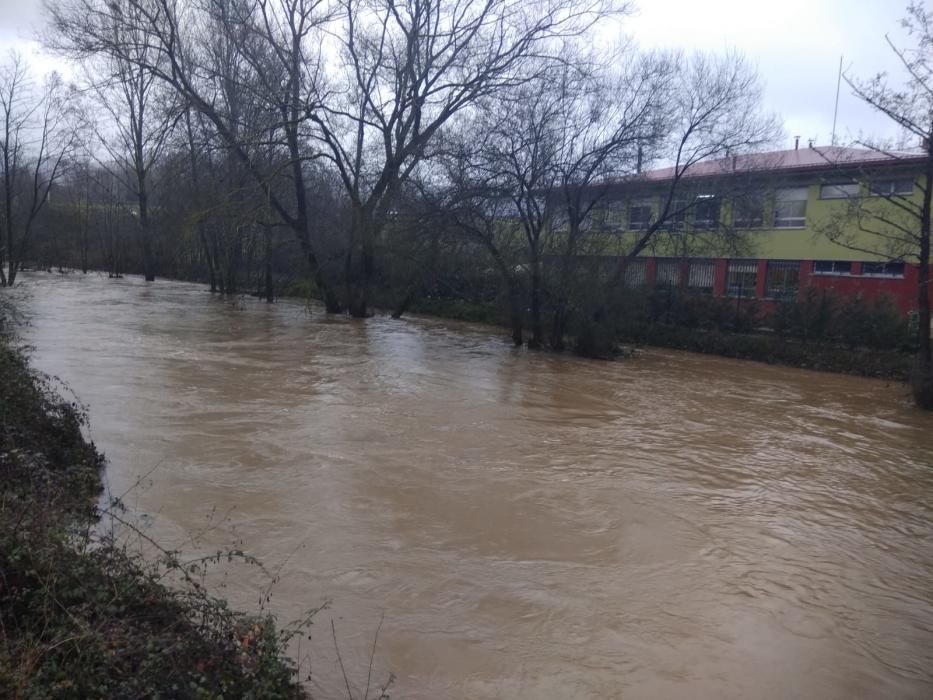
{"x":760,"y":347}
{"x":769,"y":348}
{"x":83,"y":615}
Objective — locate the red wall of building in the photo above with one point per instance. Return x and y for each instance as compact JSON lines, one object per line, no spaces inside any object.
{"x":901,"y":290}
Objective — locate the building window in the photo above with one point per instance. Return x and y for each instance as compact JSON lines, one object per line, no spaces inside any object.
{"x":636,"y":273}
{"x":839,"y":190}
{"x":831,"y":267}
{"x":706,"y":212}
{"x":748,"y":211}
{"x":783,"y":281}
{"x":742,"y":278}
{"x":903,"y":187}
{"x":790,"y":207}
{"x":701,"y":275}
{"x":677,"y":217}
{"x":639,"y":216}
{"x":667,"y":273}
{"x":613,"y":216}
{"x":883,"y":269}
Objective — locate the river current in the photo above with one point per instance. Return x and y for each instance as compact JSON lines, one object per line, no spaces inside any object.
{"x":514,"y":524}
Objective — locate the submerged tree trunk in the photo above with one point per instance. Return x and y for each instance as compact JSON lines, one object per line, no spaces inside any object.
{"x":405,"y":304}
{"x":360,"y":271}
{"x":269,"y":292}
{"x":208,"y":257}
{"x":537,"y":328}
{"x":148,"y":262}
{"x":516,"y":315}
{"x":86,"y":227}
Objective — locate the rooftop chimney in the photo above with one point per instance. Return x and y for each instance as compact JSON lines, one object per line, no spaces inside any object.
{"x":796,"y":142}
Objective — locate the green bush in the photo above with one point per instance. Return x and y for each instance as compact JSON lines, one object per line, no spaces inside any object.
{"x":300,"y":288}
{"x":458,"y":309}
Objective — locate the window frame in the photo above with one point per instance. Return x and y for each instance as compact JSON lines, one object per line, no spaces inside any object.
{"x":613,"y":217}
{"x":639,"y":204}
{"x":751,"y":268}
{"x":635,"y":273}
{"x":708,"y":275}
{"x":710,"y":224}
{"x":874,"y":192}
{"x":884,"y":274}
{"x":738,"y":203}
{"x":785,"y":267}
{"x":668,"y":264}
{"x":833,"y":272}
{"x":839,"y":186}
{"x":678,"y":216}
{"x":798,"y":222}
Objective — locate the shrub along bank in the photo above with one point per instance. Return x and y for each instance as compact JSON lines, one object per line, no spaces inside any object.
{"x":821,"y":332}
{"x":82,"y":616}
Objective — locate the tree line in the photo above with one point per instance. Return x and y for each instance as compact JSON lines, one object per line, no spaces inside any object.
{"x":216,"y":128}
{"x":374,"y":147}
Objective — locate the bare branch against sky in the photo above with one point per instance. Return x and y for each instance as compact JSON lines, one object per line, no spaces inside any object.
{"x":796,"y":45}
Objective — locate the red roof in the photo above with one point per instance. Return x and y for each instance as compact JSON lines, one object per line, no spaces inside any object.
{"x":812,"y":158}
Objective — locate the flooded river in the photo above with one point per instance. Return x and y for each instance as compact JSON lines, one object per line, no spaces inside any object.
{"x":525,"y":525}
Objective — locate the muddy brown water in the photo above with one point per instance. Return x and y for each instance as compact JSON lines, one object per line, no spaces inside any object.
{"x":525,"y":525}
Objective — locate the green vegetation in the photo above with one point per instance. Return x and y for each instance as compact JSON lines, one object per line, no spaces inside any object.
{"x":82,"y":616}
{"x":459,"y":310}
{"x":822,"y":332}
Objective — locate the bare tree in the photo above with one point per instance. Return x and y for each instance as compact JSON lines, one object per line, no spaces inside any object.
{"x":562,"y":149}
{"x":519,"y":157}
{"x":140,"y":117}
{"x":39,"y":134}
{"x":609,"y":124}
{"x":896,"y":220}
{"x":412,"y":67}
{"x":278,"y":43}
{"x":471,"y":204}
{"x":714,"y":113}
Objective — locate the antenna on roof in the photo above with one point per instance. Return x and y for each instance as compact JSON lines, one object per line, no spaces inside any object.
{"x":836,"y":108}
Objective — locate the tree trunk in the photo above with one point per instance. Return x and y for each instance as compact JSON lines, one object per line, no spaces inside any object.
{"x":148,"y":263}
{"x":537,"y":329}
{"x":234,"y":265}
{"x":269,"y":292}
{"x":516,"y":315}
{"x":8,"y":203}
{"x":361,"y":278}
{"x":208,"y":257}
{"x":403,"y":306}
{"x":84,"y":252}
{"x":562,"y":301}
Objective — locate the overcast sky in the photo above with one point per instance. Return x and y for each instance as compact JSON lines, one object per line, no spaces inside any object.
{"x":796,"y":45}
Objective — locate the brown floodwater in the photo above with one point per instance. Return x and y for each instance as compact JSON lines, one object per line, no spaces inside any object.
{"x":524,"y":525}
